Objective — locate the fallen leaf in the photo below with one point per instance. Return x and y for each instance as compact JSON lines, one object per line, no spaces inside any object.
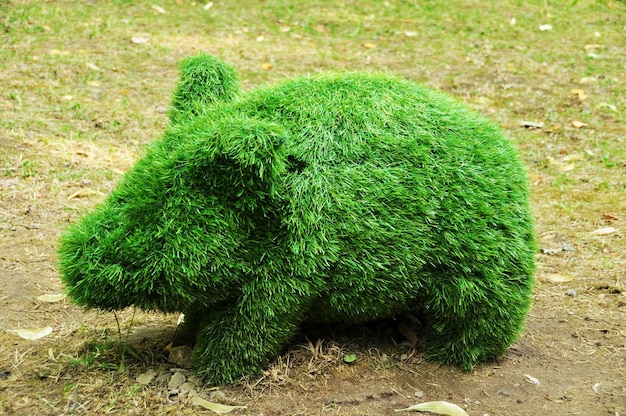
{"x":267,"y":66}
{"x":32,"y":333}
{"x":580,"y":93}
{"x":587,"y":80}
{"x":555,"y":400}
{"x":604,"y":231}
{"x":567,"y":167}
{"x":158,"y":8}
{"x":140,"y":38}
{"x":82,"y":193}
{"x":532,"y":380}
{"x":215,"y":407}
{"x":610,"y":217}
{"x":558,"y":278}
{"x":93,"y":66}
{"x":369,"y":45}
{"x":208,"y":5}
{"x":579,"y":124}
{"x":607,"y":105}
{"x":51,"y":298}
{"x":531,"y":124}
{"x":440,"y":408}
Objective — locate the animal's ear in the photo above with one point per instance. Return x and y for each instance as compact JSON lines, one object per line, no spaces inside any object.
{"x":237,"y":157}
{"x":204,"y":81}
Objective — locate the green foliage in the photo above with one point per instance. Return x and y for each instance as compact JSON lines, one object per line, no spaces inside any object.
{"x":336,"y":197}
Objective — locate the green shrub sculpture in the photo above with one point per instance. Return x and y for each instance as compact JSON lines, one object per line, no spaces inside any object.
{"x":346,"y":197}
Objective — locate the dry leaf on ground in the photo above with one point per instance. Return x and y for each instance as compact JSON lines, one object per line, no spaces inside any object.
{"x":440,"y":408}
{"x":83,"y":193}
{"x":531,"y":124}
{"x":32,"y":333}
{"x":604,"y":231}
{"x":215,"y":407}
{"x":532,"y":380}
{"x":580,"y":93}
{"x":140,"y":38}
{"x":610,"y":218}
{"x":51,"y":298}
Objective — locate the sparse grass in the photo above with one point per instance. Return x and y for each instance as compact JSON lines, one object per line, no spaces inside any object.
{"x":79,"y":101}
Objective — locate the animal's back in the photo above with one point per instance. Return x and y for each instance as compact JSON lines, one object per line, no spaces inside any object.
{"x":391,"y":184}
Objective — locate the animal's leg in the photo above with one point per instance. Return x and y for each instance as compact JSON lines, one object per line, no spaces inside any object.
{"x":242,"y":339}
{"x":475,"y":320}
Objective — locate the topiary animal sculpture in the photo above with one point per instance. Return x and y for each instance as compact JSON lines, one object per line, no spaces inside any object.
{"x":337,"y":197}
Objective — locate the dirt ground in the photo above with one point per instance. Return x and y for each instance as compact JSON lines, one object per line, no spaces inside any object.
{"x":76,"y":112}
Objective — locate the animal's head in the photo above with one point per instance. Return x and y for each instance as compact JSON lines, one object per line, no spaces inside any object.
{"x":191,"y":217}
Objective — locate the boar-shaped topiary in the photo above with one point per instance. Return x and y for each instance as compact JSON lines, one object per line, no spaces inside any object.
{"x":344,"y":197}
